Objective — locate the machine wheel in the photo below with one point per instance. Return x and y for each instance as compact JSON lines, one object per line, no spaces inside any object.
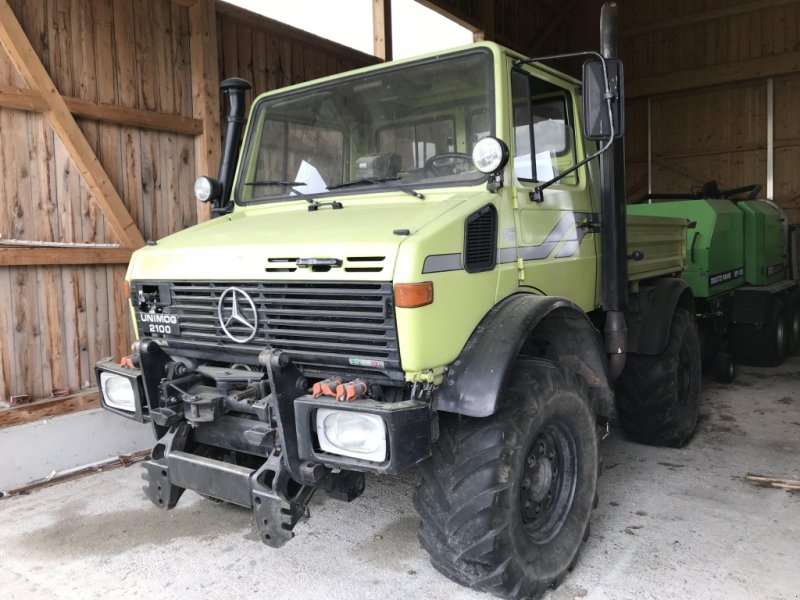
{"x":765,"y":345}
{"x":658,"y":397}
{"x":723,"y":368}
{"x":793,"y":325}
{"x":505,"y":500}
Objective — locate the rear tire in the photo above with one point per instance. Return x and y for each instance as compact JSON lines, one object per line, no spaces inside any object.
{"x":658,"y":397}
{"x":764,"y":345}
{"x":505,"y":500}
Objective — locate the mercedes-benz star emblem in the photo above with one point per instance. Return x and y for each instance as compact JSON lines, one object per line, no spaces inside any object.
{"x":235,"y":308}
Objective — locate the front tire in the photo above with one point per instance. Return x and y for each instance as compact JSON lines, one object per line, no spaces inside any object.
{"x":505,"y":500}
{"x":658,"y":396}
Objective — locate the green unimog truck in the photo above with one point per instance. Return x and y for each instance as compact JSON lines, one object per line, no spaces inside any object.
{"x":420,"y":263}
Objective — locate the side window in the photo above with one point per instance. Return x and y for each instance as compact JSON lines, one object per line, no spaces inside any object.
{"x":544,"y":139}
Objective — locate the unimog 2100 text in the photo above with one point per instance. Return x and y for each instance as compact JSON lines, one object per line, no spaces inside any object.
{"x":421,"y":263}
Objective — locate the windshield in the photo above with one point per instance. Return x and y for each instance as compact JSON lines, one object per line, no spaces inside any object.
{"x":408,"y":126}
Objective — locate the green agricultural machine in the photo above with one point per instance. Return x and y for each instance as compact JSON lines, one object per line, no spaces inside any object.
{"x":738,"y":265}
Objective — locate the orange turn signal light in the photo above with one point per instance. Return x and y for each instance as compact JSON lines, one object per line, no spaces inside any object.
{"x":413,"y":295}
{"x":126,"y":287}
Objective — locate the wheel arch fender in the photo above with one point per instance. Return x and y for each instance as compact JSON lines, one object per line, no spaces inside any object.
{"x":550,"y":327}
{"x":650,"y":312}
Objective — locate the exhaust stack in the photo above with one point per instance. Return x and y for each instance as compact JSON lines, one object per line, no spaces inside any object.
{"x":614,"y":236}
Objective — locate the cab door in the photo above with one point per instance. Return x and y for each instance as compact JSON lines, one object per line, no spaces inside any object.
{"x":554,"y":228}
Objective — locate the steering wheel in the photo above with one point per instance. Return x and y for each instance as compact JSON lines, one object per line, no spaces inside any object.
{"x":439,"y":164}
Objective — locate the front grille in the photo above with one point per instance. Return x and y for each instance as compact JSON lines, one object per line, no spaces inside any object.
{"x":325,"y":327}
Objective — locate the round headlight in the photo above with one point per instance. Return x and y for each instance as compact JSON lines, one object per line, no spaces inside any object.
{"x":206,"y":189}
{"x":490,"y":155}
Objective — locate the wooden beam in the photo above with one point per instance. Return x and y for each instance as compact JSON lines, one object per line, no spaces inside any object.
{"x":382,"y":29}
{"x":743,"y":70}
{"x":487,"y":31}
{"x":702,"y":17}
{"x":52,"y":407}
{"x":186,"y":3}
{"x":446,"y":10}
{"x":63,"y":123}
{"x":28,"y":257}
{"x":19,"y":99}
{"x":30,"y":100}
{"x":133,"y":117}
{"x":205,"y":93}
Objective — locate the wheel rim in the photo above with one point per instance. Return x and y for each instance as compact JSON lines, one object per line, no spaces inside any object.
{"x":548,"y":483}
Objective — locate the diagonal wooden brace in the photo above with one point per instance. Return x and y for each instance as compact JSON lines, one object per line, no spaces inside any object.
{"x":24,"y":57}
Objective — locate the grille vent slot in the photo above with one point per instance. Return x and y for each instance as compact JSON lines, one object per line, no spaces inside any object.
{"x":480,"y":240}
{"x":281,"y":265}
{"x":364,"y":264}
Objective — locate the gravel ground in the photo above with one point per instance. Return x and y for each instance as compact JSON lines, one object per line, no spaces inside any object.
{"x":671,"y":524}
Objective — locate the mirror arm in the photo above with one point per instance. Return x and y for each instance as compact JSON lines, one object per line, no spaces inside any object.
{"x":536,"y":194}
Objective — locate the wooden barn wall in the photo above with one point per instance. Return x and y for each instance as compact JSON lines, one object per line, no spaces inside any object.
{"x":272,"y":55}
{"x":703,"y":68}
{"x":58,"y":319}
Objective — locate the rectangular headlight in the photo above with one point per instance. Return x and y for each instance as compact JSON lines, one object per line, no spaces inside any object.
{"x":122,"y":390}
{"x":118,"y":391}
{"x":351,"y":433}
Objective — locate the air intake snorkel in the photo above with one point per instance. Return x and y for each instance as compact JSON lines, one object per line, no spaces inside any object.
{"x":234,"y":88}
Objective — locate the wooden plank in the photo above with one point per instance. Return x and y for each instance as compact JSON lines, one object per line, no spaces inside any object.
{"x":47,"y":409}
{"x":382,"y":29}
{"x":756,"y":68}
{"x":123,"y":460}
{"x":776,"y":482}
{"x":21,"y":256}
{"x":700,"y":17}
{"x":24,"y":56}
{"x":205,"y":94}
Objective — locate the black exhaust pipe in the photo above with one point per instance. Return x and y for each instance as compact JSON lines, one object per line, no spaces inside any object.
{"x":612,"y":213}
{"x":234,"y":88}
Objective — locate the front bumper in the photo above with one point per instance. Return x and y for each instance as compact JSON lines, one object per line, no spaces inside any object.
{"x":291,"y":417}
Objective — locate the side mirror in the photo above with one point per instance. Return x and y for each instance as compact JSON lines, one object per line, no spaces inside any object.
{"x":596,"y":122}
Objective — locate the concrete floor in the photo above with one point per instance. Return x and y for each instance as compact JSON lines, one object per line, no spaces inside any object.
{"x":670,"y":524}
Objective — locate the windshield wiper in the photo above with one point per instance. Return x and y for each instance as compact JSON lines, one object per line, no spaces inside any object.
{"x":377,"y":181}
{"x":292,"y":186}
